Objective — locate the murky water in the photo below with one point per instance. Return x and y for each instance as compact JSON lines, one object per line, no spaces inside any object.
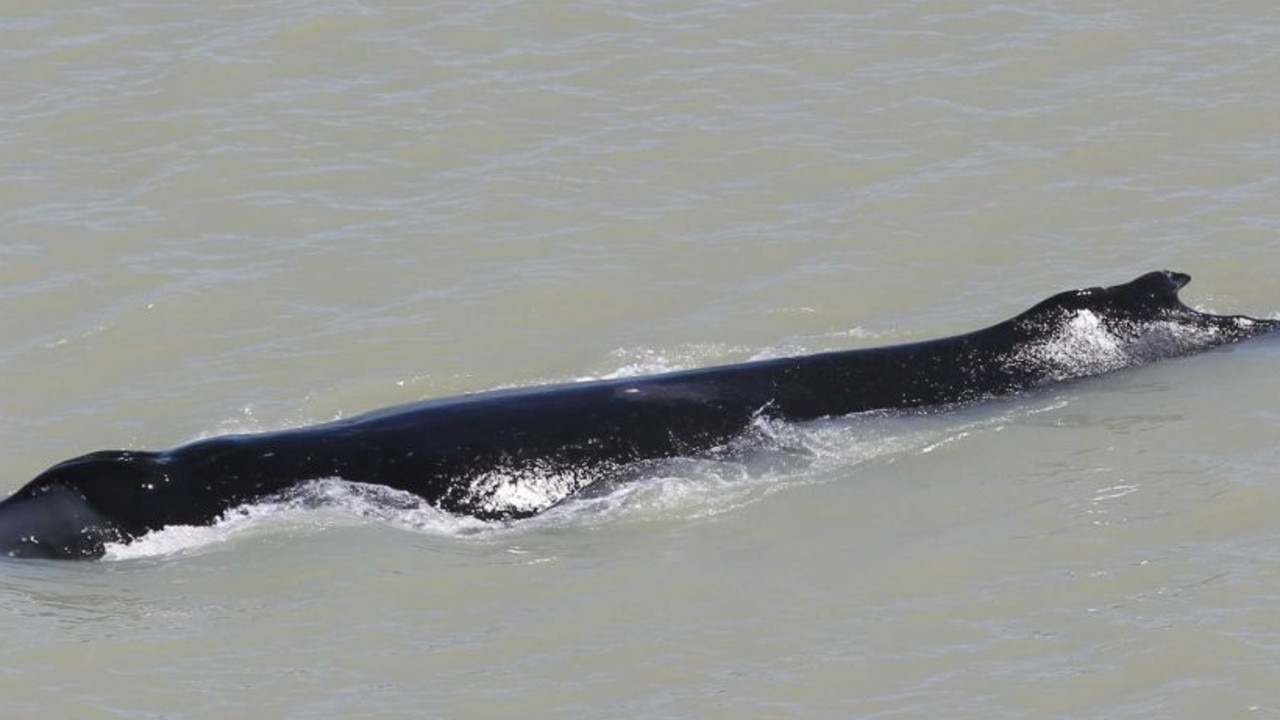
{"x":225,"y":218}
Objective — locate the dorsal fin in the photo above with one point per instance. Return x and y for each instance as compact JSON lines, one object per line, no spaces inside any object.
{"x":1148,"y":296}
{"x":1156,"y":290}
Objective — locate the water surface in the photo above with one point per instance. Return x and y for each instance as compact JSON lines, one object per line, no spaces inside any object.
{"x":222,"y":218}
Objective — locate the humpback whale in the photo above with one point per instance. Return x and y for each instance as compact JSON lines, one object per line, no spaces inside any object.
{"x":455,"y":453}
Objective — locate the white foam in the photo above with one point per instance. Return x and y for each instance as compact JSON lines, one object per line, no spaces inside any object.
{"x":530,"y":488}
{"x":1084,"y":345}
{"x":648,"y":361}
{"x":311,"y":507}
{"x":179,"y":539}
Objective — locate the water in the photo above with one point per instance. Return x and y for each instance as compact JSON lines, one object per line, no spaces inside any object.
{"x":227,"y":218}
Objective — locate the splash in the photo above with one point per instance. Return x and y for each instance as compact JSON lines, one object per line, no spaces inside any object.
{"x":1087,"y":345}
{"x":311,"y":507}
{"x":649,"y":361}
{"x":530,"y":488}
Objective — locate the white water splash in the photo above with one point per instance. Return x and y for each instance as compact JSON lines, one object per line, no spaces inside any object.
{"x":1085,"y":345}
{"x":311,"y":507}
{"x":648,"y":361}
{"x":529,"y":489}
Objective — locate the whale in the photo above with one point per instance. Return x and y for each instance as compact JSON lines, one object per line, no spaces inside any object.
{"x":462,"y":454}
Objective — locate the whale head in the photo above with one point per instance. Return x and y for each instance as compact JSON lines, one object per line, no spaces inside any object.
{"x":73,"y":509}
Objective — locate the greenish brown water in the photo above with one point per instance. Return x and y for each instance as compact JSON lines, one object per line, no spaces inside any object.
{"x":226,"y":218}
